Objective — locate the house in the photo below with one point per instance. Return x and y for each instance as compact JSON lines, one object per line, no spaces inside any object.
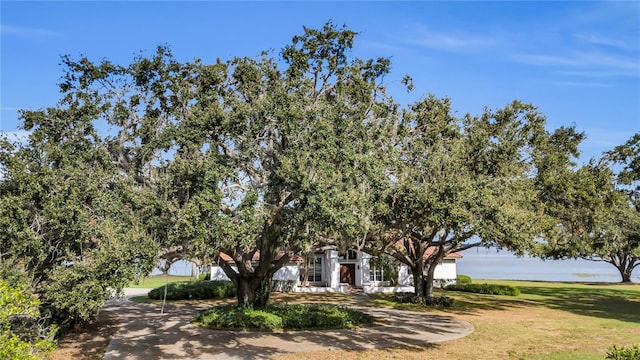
{"x":333,"y":271}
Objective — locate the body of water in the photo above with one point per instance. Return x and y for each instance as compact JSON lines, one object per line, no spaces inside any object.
{"x":490,"y":263}
{"x":178,"y":268}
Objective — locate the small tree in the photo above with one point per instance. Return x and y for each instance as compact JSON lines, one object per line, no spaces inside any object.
{"x":598,"y":212}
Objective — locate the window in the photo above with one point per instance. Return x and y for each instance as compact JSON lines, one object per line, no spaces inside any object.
{"x":383,"y":269}
{"x":376,"y":274}
{"x":315,"y":269}
{"x":350,"y":255}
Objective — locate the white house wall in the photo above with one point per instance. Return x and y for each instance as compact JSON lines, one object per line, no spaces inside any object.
{"x":218,"y":274}
{"x":446,"y":270}
{"x":288,"y":272}
{"x":363,"y":271}
{"x":332,"y":270}
{"x":405,"y":278}
{"x":444,"y":273}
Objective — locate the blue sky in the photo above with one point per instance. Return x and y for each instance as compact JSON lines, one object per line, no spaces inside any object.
{"x":579,"y":62}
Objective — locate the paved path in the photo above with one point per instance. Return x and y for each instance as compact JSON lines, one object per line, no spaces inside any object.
{"x":147,"y":334}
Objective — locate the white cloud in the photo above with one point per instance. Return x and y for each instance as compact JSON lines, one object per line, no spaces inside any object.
{"x":451,"y":42}
{"x":9,"y":108}
{"x":24,"y":31}
{"x":594,"y":74}
{"x":606,"y":139}
{"x":454,"y":41}
{"x":583,"y":84}
{"x":606,"y":41}
{"x":583,"y":60}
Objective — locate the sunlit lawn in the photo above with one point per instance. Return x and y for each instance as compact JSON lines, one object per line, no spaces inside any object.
{"x":155,"y":281}
{"x":548,"y":321}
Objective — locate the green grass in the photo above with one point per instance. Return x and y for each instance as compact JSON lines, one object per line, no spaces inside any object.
{"x":560,"y":321}
{"x":607,"y":301}
{"x":143,"y":299}
{"x":194,"y":290}
{"x":549,"y":320}
{"x":155,"y":281}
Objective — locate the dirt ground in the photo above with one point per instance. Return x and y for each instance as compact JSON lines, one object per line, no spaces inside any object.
{"x":89,"y":342}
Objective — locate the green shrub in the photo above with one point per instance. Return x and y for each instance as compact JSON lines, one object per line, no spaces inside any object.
{"x":196,"y":290}
{"x":22,"y":333}
{"x":490,"y":289}
{"x":444,"y":301}
{"x":407,"y":298}
{"x":624,"y":353}
{"x":277,"y":317}
{"x":320,"y":317}
{"x":463,"y":279}
{"x":204,"y":276}
{"x":411,"y":298}
{"x":73,"y":295}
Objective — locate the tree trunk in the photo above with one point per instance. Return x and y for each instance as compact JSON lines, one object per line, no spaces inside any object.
{"x":428,"y":286}
{"x":195,"y":270}
{"x":254,"y":292}
{"x":625,"y":272}
{"x":253,"y":280}
{"x":246,"y":294}
{"x":263,"y":292}
{"x":305,"y":272}
{"x":625,"y":265}
{"x":418,"y":281}
{"x":430,"y":266}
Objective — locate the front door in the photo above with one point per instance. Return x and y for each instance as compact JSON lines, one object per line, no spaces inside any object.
{"x":348,"y":274}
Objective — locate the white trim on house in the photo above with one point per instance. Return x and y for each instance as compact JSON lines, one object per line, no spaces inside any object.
{"x":330,"y":262}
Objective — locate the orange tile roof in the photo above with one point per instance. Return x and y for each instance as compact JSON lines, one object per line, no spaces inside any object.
{"x":449,"y":256}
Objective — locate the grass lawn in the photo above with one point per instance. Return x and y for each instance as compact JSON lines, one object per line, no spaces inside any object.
{"x":155,"y":281}
{"x":547,"y":321}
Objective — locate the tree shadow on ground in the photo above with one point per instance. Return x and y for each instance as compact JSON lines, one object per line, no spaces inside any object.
{"x":171,"y":335}
{"x":596,"y":301}
{"x":464,"y":304}
{"x":89,"y":341}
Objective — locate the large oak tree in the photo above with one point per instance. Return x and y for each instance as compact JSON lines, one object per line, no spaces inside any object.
{"x":297,"y":139}
{"x":461,"y":182}
{"x":257,"y":158}
{"x":260,"y":158}
{"x":68,"y":219}
{"x":597,"y":210}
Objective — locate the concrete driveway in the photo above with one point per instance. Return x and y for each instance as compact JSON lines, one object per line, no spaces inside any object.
{"x":147,"y":334}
